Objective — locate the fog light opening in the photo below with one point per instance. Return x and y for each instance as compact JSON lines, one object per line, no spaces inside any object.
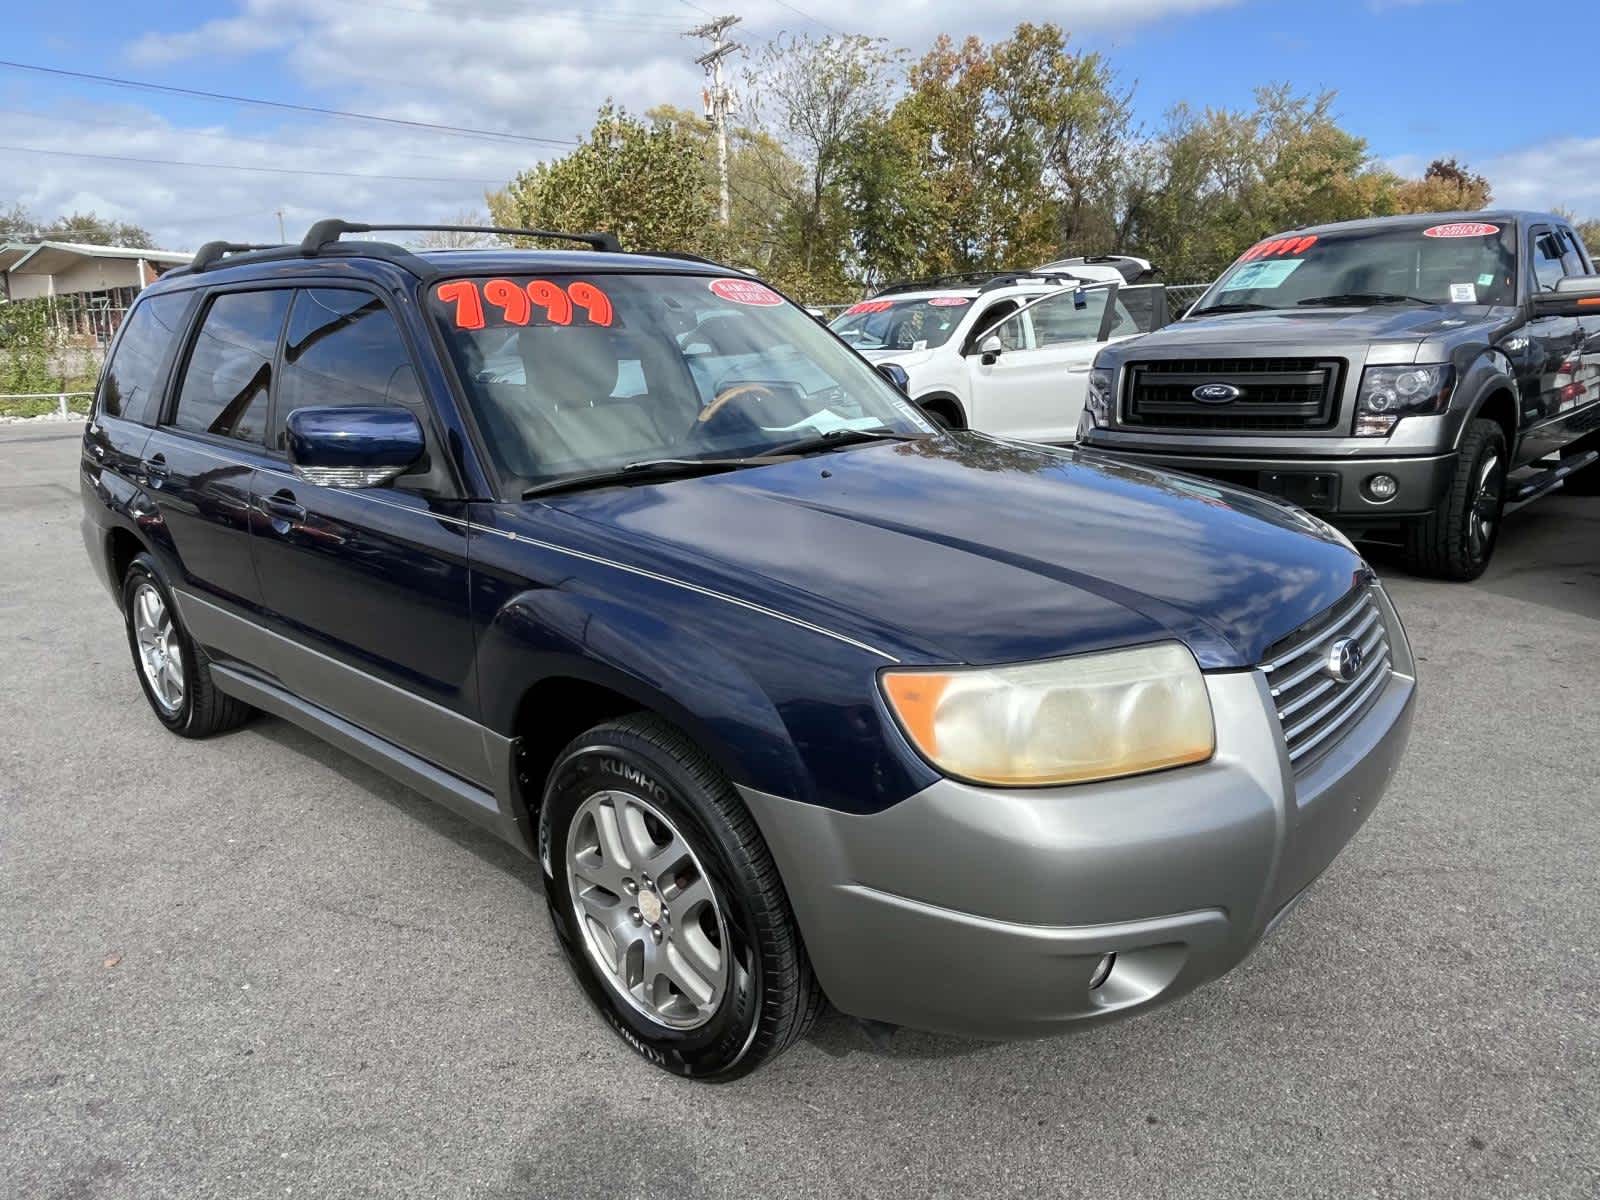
{"x":1102,"y":971}
{"x":1382,"y":487}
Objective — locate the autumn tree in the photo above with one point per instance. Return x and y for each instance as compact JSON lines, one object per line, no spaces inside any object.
{"x":18,"y":225}
{"x":644,"y":181}
{"x":1446,"y":186}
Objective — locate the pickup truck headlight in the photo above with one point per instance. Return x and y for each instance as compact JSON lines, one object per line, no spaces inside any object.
{"x":1069,"y":720}
{"x":1096,"y":401}
{"x":1389,"y":393}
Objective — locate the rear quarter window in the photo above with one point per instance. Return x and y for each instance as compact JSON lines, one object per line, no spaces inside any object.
{"x":132,"y":382}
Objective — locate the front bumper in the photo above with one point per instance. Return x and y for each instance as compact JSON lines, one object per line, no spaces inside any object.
{"x":1334,"y":487}
{"x":983,"y":912}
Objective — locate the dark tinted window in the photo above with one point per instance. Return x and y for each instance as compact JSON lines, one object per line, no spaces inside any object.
{"x":1146,"y":304}
{"x":130,"y":383}
{"x":229,"y":376}
{"x":343,"y":348}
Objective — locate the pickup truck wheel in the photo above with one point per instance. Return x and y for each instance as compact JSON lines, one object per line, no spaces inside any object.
{"x":668,"y":905}
{"x":174,"y":672}
{"x":1457,"y":539}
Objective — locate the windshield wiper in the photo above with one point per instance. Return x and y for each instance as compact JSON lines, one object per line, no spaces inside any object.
{"x":643,"y":470}
{"x":843,"y":437}
{"x":1225,"y":308}
{"x":1345,"y":299}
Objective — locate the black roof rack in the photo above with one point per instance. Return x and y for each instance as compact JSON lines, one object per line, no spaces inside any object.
{"x":325,"y":233}
{"x":214,"y":252}
{"x":982,"y":280}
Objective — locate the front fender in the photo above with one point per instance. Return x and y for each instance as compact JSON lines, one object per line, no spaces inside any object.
{"x":1488,"y":373}
{"x":675,"y":670}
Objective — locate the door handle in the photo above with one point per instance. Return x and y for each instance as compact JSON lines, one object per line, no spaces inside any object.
{"x":155,"y":469}
{"x":282,"y":506}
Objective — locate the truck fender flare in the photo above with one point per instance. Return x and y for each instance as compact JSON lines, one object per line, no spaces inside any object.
{"x":1490,"y":373}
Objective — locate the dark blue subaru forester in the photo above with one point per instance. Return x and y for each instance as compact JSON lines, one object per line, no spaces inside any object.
{"x":793,"y":695}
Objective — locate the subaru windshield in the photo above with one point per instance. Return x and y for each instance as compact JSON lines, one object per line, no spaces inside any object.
{"x":912,"y":324}
{"x":1460,"y":262}
{"x":602,"y":375}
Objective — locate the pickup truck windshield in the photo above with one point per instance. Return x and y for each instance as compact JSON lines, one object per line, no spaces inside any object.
{"x":1466,"y":262}
{"x":915,"y":324}
{"x":582,"y":374}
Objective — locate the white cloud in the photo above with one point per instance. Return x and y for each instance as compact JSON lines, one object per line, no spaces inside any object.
{"x":1563,"y":173}
{"x":541,"y":72}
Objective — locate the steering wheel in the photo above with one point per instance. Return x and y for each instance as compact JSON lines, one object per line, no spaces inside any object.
{"x":744,"y":400}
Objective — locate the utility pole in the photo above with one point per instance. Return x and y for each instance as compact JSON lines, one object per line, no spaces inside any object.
{"x":718,"y":97}
{"x":281,"y":238}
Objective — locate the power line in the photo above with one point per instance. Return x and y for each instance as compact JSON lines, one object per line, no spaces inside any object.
{"x":142,"y":85}
{"x":173,"y":162}
{"x":224,"y":137}
{"x":800,"y":12}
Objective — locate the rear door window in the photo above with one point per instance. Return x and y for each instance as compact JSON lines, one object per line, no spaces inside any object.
{"x":343,"y":349}
{"x":228,"y":380}
{"x":130,"y":387}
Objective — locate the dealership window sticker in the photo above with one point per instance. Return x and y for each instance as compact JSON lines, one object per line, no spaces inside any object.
{"x":1256,"y":275}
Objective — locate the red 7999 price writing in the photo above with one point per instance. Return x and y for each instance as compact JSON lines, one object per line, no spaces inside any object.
{"x":519,"y":304}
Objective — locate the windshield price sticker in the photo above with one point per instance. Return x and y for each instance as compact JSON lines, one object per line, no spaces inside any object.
{"x":1279,"y":247}
{"x":869,"y":306}
{"x":746,"y":291}
{"x":1461,"y":229}
{"x":1463,"y":293}
{"x":534,"y":302}
{"x":949,"y":301}
{"x":1261,"y":275}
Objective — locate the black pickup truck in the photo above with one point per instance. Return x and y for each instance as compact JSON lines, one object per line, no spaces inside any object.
{"x":1408,"y":378}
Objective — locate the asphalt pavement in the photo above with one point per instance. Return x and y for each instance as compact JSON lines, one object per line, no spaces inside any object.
{"x":252,"y":966}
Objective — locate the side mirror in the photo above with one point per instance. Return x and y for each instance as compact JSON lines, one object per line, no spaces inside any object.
{"x":896,"y":374}
{"x":1575,"y":296}
{"x":353,"y":447}
{"x":991,"y":348}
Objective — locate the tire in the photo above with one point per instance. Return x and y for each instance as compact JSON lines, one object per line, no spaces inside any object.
{"x":176,"y":677}
{"x":943,"y":413}
{"x":1457,"y":539}
{"x":719,"y":888}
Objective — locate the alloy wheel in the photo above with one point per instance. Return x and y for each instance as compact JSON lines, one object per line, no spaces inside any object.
{"x":651,"y":921}
{"x":160,"y":652}
{"x":1484,"y":514}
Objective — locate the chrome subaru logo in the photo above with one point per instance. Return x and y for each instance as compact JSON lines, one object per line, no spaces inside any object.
{"x":1217,"y":393}
{"x":1344,"y":660}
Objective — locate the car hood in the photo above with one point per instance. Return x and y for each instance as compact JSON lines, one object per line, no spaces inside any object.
{"x":964,"y":548}
{"x":1301,"y":325}
{"x":906,"y":358}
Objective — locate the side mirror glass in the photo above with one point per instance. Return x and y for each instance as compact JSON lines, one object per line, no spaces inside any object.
{"x":1575,"y":296}
{"x":353,"y":447}
{"x":896,"y":374}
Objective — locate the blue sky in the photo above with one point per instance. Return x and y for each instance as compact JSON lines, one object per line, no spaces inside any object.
{"x":1417,"y":78}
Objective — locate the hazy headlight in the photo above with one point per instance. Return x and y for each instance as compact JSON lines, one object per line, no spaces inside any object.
{"x":1069,"y":720}
{"x":1389,"y":393}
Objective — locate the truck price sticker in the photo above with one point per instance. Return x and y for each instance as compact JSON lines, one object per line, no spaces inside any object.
{"x":537,"y":302}
{"x":1276,"y":247}
{"x":1461,"y":229}
{"x":1463,"y":293}
{"x":746,"y":291}
{"x":869,"y":306}
{"x":1261,"y":274}
{"x":949,"y":301}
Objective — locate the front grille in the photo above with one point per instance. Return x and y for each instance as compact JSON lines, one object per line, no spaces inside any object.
{"x":1278,"y":394}
{"x":1316,"y":709}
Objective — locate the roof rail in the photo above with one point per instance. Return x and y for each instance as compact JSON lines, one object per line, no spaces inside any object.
{"x":325,"y":233}
{"x":213,"y":252}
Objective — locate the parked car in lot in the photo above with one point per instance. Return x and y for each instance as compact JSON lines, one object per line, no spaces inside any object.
{"x":790,"y":693}
{"x":1406,"y":377}
{"x":1007,"y":353}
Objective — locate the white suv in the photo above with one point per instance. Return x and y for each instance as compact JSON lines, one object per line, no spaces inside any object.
{"x":1006,"y":352}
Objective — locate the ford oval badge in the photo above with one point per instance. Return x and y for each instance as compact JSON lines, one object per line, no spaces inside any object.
{"x":1217,"y":393}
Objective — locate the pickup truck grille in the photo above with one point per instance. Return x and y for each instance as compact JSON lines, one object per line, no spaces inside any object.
{"x":1315,"y":709}
{"x":1277,"y":394}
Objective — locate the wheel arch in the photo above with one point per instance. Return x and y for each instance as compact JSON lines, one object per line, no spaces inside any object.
{"x":947,"y":403}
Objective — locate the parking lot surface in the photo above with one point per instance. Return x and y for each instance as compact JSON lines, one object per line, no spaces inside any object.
{"x":252,"y":966}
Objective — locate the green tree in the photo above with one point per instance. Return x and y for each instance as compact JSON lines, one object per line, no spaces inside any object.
{"x":644,"y":181}
{"x":19,"y":225}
